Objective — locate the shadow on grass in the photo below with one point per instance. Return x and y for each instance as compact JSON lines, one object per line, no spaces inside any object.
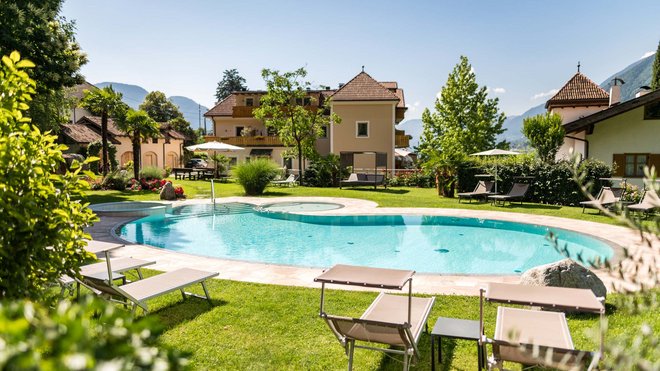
{"x":391,"y":361}
{"x":530,"y":206}
{"x":185,"y":310}
{"x":380,"y":190}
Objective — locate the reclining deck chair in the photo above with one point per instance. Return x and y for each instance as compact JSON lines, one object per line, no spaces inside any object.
{"x":392,"y":320}
{"x":607,"y":197}
{"x":137,"y":293}
{"x":650,"y":201}
{"x":483,"y":189}
{"x":517,"y":193}
{"x":289,"y":181}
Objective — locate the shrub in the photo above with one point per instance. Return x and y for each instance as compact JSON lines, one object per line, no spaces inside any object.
{"x":117,"y":180}
{"x":255,"y":175}
{"x":151,"y":172}
{"x":94,"y":150}
{"x":412,"y":178}
{"x":325,"y":172}
{"x":42,"y":215}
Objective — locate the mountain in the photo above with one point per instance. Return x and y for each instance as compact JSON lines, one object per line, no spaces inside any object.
{"x":513,"y":124}
{"x":414,"y":128}
{"x":636,"y":75}
{"x":133,"y":95}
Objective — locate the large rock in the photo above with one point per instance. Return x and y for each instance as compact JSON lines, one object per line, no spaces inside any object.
{"x":167,"y":193}
{"x":565,"y":273}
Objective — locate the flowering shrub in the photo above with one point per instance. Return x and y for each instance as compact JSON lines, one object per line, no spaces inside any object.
{"x":179,"y":192}
{"x":155,"y":185}
{"x":412,"y":178}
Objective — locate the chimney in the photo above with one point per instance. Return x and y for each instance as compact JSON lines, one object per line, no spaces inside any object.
{"x":643,"y":90}
{"x":615,"y":91}
{"x":341,"y":84}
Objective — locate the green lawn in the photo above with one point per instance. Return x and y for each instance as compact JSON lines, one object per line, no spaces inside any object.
{"x":268,"y":327}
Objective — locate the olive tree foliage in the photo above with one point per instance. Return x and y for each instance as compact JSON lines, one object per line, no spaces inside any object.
{"x":138,"y":126}
{"x":42,"y":216}
{"x":283,"y":110}
{"x":37,"y":31}
{"x":231,"y":82}
{"x":545,"y":134}
{"x":464,"y":121}
{"x":159,"y":108}
{"x":105,"y":103}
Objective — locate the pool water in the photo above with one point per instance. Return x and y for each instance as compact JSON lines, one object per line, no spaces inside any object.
{"x":431,"y":244}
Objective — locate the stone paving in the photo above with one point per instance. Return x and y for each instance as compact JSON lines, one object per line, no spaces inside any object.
{"x":167,"y":260}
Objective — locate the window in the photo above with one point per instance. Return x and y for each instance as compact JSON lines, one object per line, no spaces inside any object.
{"x":239,"y":131}
{"x":635,"y":163}
{"x":307,"y":101}
{"x":232,"y":162}
{"x":155,"y":140}
{"x":249,"y":102}
{"x":652,"y":111}
{"x":324,"y":131}
{"x":362,"y":129}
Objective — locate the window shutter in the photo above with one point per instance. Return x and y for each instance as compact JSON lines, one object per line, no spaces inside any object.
{"x":619,"y":162}
{"x":654,"y":159}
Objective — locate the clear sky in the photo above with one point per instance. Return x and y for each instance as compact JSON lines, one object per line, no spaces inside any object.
{"x":521,"y":50}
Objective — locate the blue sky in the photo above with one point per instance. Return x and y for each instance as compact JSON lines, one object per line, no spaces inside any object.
{"x":521,"y":50}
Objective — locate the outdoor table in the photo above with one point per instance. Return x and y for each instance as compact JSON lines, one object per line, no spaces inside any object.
{"x":457,"y":329}
{"x":204,"y":173}
{"x":181,"y":172}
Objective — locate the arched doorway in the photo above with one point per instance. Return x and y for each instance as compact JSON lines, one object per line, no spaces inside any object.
{"x":150,"y":159}
{"x":172,"y":160}
{"x":125,"y":158}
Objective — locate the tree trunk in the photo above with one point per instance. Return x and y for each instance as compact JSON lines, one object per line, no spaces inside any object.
{"x":300,"y":160}
{"x":136,"y":158}
{"x":104,"y":144}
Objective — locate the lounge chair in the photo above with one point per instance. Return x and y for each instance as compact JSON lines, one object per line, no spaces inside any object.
{"x":517,"y":193}
{"x":482,"y":190}
{"x":361,"y":179}
{"x":607,"y":197}
{"x":137,"y":293}
{"x":650,"y":202}
{"x":392,"y":320}
{"x":289,"y":181}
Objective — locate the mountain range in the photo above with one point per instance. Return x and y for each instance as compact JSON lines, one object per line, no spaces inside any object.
{"x":635,"y":75}
{"x":133,"y":95}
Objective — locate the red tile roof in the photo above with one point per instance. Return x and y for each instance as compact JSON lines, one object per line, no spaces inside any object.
{"x":579,"y":91}
{"x":96,"y":121}
{"x":364,"y":88}
{"x":223,"y":108}
{"x":83,"y":134}
{"x":166,"y":129}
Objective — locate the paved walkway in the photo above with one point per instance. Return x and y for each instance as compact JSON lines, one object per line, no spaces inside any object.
{"x":167,"y":260}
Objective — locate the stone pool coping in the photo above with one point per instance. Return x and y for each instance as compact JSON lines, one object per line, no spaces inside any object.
{"x":167,"y":260}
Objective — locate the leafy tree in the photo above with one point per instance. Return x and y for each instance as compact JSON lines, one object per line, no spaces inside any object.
{"x":37,"y":32}
{"x":297,"y":126}
{"x":464,"y":121}
{"x":182,"y":126}
{"x":42,"y":215}
{"x":138,"y":126}
{"x":655,"y":79}
{"x":105,"y":103}
{"x":545,"y":134}
{"x":231,"y":82}
{"x":159,"y":108}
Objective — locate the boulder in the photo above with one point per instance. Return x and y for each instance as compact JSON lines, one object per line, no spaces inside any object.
{"x":565,"y":273}
{"x":167,"y":193}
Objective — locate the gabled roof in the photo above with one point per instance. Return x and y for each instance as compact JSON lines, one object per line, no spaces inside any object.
{"x":83,"y":134}
{"x":364,"y":88}
{"x":167,"y":129}
{"x":223,"y":108}
{"x":96,"y":122}
{"x":579,"y":91}
{"x":78,"y":91}
{"x":583,"y":123}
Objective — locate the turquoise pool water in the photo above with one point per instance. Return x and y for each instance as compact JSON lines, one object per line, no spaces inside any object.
{"x":432,"y":244}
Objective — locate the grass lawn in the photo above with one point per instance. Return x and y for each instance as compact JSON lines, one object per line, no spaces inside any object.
{"x":267,"y":327}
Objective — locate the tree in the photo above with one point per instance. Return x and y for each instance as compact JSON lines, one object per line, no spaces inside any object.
{"x":42,"y":215}
{"x":38,"y":33}
{"x":298,"y":126}
{"x":231,"y":82}
{"x":159,"y":108}
{"x":105,"y":103}
{"x":138,"y":126}
{"x":464,"y":121}
{"x":545,"y":134}
{"x":182,"y":126}
{"x":655,"y":79}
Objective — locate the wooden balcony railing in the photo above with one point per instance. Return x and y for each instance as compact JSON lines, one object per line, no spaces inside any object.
{"x":256,"y":141}
{"x":401,"y":141}
{"x":242,"y":111}
{"x":399,"y":114}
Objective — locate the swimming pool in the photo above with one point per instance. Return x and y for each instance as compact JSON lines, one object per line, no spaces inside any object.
{"x":431,"y":244}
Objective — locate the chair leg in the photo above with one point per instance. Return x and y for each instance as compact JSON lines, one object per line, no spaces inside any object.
{"x":406,"y":361}
{"x":351,"y":350}
{"x":206,"y":292}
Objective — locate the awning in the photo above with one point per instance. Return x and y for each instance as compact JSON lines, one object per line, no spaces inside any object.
{"x":261,"y":152}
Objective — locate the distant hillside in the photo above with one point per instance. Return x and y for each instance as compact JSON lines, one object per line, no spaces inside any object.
{"x":636,"y":75}
{"x":513,"y":124}
{"x":133,"y":95}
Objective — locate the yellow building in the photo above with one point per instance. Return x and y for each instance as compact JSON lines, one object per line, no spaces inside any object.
{"x":369,"y":111}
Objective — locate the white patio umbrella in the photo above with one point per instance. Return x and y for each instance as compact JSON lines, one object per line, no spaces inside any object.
{"x":495,"y":152}
{"x":215,"y":146}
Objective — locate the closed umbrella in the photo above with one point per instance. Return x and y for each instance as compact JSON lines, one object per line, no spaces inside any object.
{"x":495,"y":152}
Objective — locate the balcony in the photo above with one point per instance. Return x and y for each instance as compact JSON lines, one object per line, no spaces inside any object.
{"x":401,"y":139}
{"x":399,"y":114}
{"x":242,"y":111}
{"x":255,"y":141}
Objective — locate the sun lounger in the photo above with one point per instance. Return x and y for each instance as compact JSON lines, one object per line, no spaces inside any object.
{"x":361,"y":179}
{"x":290,"y":181}
{"x":137,"y":293}
{"x":392,"y":320}
{"x":482,"y":190}
{"x":517,"y":193}
{"x":607,"y":197}
{"x":650,"y":201}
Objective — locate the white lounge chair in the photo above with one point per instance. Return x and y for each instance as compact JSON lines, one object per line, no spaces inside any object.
{"x":607,"y":197}
{"x":289,"y":181}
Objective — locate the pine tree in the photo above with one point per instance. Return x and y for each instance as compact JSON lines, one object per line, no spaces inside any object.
{"x":655,"y":79}
{"x":231,"y":82}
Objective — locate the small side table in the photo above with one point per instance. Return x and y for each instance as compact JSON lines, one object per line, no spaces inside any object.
{"x":456,"y":329}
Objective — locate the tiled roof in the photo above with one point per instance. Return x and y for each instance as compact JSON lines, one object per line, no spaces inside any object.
{"x":223,"y":108}
{"x":389,"y":84}
{"x":165,"y":128}
{"x":83,"y":134}
{"x":579,"y":90}
{"x":96,"y":121}
{"x":399,"y":94}
{"x":363,"y":88}
{"x":78,"y":91}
